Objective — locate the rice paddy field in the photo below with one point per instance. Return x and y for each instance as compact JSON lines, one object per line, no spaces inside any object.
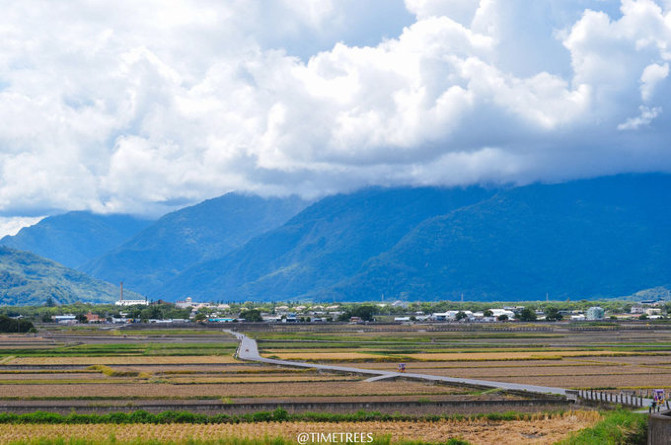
{"x":101,"y":370}
{"x":612,"y":357}
{"x":93,"y":365}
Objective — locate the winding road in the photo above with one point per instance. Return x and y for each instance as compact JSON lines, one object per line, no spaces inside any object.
{"x":248,"y":350}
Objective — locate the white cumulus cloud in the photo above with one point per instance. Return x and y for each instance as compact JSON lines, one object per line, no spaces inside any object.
{"x":647,"y":115}
{"x":144,"y":106}
{"x":652,"y":75}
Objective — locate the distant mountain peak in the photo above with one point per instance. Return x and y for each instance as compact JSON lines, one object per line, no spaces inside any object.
{"x":73,"y":238}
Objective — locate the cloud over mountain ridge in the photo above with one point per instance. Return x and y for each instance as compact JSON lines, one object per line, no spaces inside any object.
{"x":142,"y":108}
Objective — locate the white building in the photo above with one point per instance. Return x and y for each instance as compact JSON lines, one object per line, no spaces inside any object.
{"x":183,"y":304}
{"x":125,"y":302}
{"x":450,"y":315}
{"x":498,"y":312}
{"x":65,"y":319}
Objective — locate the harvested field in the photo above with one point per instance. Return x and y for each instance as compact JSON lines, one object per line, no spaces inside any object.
{"x":542,"y":430}
{"x":479,"y":364}
{"x":565,"y":373}
{"x":495,"y":356}
{"x":224,"y":368}
{"x":320,"y":356}
{"x":180,"y":380}
{"x":141,"y":369}
{"x":120,"y":360}
{"x":657,"y":359}
{"x":618,"y":359}
{"x":442,"y":357}
{"x":457,"y":395}
{"x":335,"y":389}
{"x":52,"y":376}
{"x":495,"y":373}
{"x":139,"y":402}
{"x":261,"y":379}
{"x":636,"y":381}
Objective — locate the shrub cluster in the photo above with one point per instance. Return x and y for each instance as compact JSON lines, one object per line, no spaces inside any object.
{"x":10,"y":325}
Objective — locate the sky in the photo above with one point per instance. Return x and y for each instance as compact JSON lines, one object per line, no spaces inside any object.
{"x":146,"y":106}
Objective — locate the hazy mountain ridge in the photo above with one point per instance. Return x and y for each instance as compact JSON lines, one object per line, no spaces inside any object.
{"x":191,"y":235}
{"x":27,"y":279}
{"x":605,"y":237}
{"x":75,"y":238}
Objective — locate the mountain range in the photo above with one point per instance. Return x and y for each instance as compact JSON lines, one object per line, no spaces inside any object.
{"x":602,"y":237}
{"x":327,"y":242}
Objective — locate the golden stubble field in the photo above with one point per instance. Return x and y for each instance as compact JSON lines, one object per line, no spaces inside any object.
{"x":571,"y":360}
{"x":617,"y":358}
{"x":121,"y":360}
{"x":144,"y":390}
{"x":543,"y":429}
{"x":580,"y":360}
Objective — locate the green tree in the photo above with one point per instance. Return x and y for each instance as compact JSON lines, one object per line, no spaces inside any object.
{"x":502,"y":317}
{"x":460,"y":316}
{"x":200,"y":317}
{"x":152,"y":312}
{"x":364,"y":311}
{"x":552,"y":314}
{"x":10,"y":325}
{"x":488,"y":313}
{"x":253,"y":315}
{"x":527,"y":314}
{"x":174,"y":312}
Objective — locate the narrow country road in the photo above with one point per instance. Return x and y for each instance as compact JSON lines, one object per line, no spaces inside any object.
{"x":248,"y":350}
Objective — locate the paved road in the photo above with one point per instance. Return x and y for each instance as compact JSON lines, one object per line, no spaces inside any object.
{"x":248,"y":350}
